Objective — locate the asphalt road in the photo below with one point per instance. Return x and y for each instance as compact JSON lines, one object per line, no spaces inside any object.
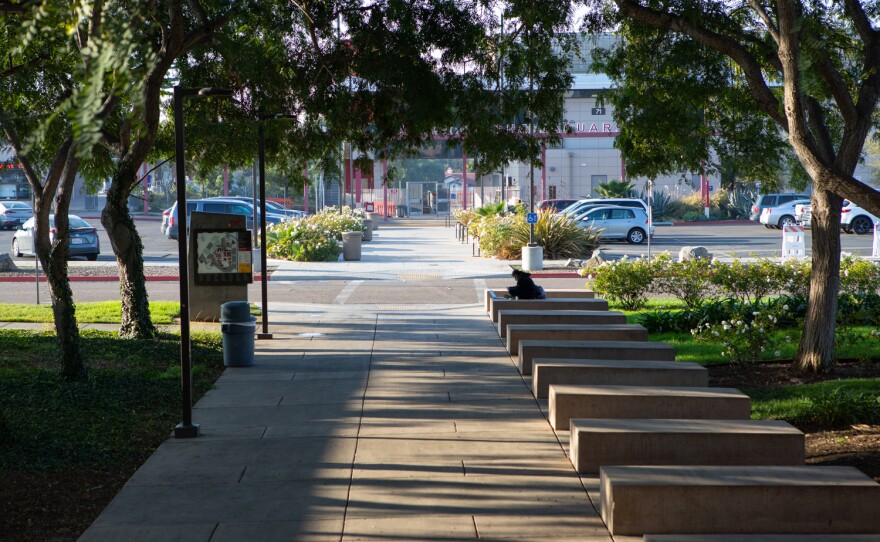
{"x":723,"y":240}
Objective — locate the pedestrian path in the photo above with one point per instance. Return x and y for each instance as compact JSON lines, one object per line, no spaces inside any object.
{"x":362,"y":425}
{"x":402,"y":251}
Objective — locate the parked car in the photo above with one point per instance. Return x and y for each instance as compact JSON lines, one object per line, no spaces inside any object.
{"x":217,"y":205}
{"x":83,"y":238}
{"x":625,"y":223}
{"x":277,"y":208}
{"x":781,"y":215}
{"x":14,"y":213}
{"x":803,"y":214}
{"x":166,"y":220}
{"x":854,"y":219}
{"x":772,"y":200}
{"x":554,"y":204}
{"x":581,"y":206}
{"x":272,"y":208}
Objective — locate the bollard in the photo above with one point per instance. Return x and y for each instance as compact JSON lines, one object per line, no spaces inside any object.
{"x":351,"y":245}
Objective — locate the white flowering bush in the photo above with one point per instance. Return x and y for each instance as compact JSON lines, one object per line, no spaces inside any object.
{"x":746,"y":337}
{"x":316,"y":237}
{"x":336,"y":221}
{"x":464,"y":216}
{"x":302,"y":240}
{"x":859,"y":276}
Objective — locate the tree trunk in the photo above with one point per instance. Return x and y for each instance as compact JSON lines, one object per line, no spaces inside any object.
{"x":129,"y":250}
{"x":816,"y":350}
{"x":64,"y":310}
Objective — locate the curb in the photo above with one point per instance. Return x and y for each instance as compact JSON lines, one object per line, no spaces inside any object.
{"x":713,"y":223}
{"x":105,"y":278}
{"x":556,"y":275}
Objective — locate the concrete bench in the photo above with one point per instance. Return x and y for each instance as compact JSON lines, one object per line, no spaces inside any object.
{"x":529,"y":350}
{"x":543,"y":318}
{"x":562,"y":304}
{"x":566,"y":332}
{"x":760,"y":538}
{"x":599,"y":443}
{"x":614,"y":372}
{"x":639,"y":500}
{"x":552,"y":293}
{"x":567,"y":402}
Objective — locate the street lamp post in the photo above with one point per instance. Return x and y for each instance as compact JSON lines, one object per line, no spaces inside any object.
{"x":264,"y":289}
{"x":186,"y":428}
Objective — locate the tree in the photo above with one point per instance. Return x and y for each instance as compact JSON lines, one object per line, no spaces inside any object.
{"x":707,"y":124}
{"x":52,"y":105}
{"x":812,"y":69}
{"x":615,"y":189}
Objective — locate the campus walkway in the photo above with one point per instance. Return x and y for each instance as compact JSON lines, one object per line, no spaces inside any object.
{"x":371,"y":422}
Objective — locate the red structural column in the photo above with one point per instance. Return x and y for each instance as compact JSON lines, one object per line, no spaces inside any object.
{"x":384,"y":189}
{"x":357,"y":180}
{"x":463,"y":180}
{"x":226,"y":180}
{"x":305,"y":189}
{"x":146,"y":189}
{"x":543,"y":171}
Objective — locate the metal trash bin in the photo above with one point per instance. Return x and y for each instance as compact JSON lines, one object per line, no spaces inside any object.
{"x":368,"y":225}
{"x":351,"y":245}
{"x":237,"y":326}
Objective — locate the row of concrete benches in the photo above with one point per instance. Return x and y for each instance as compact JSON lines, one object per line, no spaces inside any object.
{"x":676,"y":459}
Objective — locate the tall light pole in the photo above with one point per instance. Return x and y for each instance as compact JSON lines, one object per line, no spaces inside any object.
{"x":186,"y":428}
{"x":264,"y":289}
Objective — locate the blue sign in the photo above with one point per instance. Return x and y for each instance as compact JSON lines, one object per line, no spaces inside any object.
{"x":451,"y":196}
{"x":531,"y":218}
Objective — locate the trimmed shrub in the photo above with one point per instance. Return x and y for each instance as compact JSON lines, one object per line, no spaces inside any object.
{"x":625,"y":282}
{"x":690,"y":280}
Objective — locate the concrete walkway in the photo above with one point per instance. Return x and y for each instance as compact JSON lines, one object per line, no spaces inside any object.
{"x":362,"y":425}
{"x":375,"y":421}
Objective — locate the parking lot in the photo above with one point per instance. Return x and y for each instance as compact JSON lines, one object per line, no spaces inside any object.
{"x":157,"y":248}
{"x":722,"y":240}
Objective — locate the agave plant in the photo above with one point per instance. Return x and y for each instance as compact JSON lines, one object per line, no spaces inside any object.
{"x":560,"y":237}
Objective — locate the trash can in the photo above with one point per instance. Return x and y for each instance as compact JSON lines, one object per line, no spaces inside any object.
{"x":237,"y":326}
{"x":368,"y":225}
{"x":351,"y":245}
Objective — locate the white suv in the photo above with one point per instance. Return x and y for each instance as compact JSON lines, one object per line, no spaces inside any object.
{"x":854,"y":219}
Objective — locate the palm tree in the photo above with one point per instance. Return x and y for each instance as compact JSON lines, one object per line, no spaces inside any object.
{"x":615,"y":189}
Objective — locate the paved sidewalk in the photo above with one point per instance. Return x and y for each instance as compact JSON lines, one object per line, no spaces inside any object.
{"x":362,"y":425}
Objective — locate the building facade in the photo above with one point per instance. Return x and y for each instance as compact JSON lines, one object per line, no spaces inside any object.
{"x":587,"y":156}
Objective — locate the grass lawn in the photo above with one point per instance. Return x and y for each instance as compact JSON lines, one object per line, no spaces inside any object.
{"x":94,"y":312}
{"x":128,"y":405}
{"x":67,"y":448}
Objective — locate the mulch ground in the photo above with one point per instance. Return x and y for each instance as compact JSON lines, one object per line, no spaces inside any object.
{"x":857,"y":446}
{"x":59,"y":506}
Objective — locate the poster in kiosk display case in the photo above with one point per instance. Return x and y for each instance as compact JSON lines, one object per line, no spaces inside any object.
{"x":223,"y":257}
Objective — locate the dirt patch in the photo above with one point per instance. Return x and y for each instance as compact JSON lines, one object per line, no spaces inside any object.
{"x":56,"y":506}
{"x":857,"y":446}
